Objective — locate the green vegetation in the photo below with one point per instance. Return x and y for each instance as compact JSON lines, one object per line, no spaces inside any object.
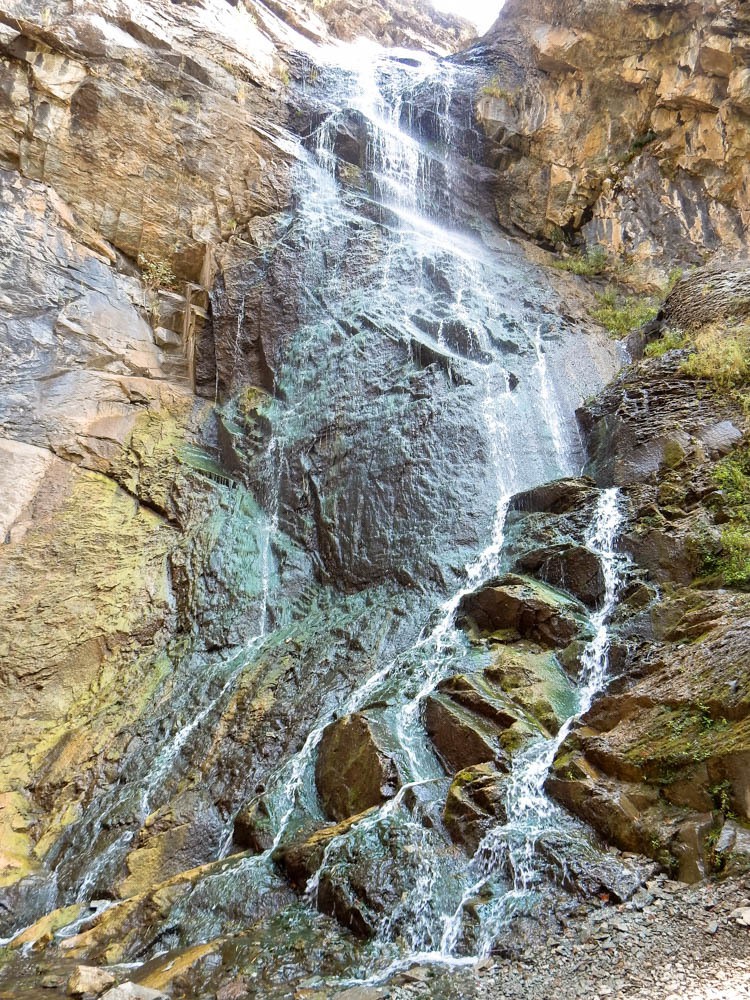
{"x":670,"y":340}
{"x":180,"y":105}
{"x":622,"y":313}
{"x":732,"y":562}
{"x":721,"y":355}
{"x":493,"y":88}
{"x":589,"y":263}
{"x":156,"y":273}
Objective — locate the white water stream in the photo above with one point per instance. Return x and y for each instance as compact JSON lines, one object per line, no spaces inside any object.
{"x":431,"y":917}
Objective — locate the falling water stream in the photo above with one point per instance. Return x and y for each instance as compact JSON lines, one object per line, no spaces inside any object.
{"x":467,"y":308}
{"x":429,"y":920}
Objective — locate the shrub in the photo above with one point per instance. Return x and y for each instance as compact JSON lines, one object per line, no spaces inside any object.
{"x":721,"y":355}
{"x":156,"y":273}
{"x":670,"y":340}
{"x":623,"y":313}
{"x":590,"y":263}
{"x":732,"y":561}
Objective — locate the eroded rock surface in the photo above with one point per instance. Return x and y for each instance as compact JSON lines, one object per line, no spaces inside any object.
{"x":636,"y":137}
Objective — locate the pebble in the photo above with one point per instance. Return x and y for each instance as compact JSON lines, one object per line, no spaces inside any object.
{"x":664,"y":951}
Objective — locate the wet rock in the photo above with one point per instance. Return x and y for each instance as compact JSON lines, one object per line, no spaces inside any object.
{"x":475,"y":803}
{"x":175,"y":838}
{"x":573,"y":568}
{"x":652,"y":764}
{"x":535,"y":682}
{"x":582,"y":868}
{"x":517,"y":606}
{"x":557,"y":497}
{"x":132,"y":991}
{"x":362,"y":993}
{"x":253,"y":826}
{"x":461,"y":737}
{"x":302,"y":858}
{"x":89,"y":979}
{"x":355,"y":768}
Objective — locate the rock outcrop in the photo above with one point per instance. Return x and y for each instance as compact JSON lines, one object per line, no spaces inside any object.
{"x":659,"y":764}
{"x":635,"y":137}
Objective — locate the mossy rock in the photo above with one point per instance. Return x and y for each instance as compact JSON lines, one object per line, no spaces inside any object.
{"x":474,"y":804}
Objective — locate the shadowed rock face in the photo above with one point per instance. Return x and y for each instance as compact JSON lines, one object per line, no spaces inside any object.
{"x":635,"y":138}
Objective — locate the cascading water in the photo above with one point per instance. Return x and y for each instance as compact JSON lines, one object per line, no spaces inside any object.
{"x":408,"y":470}
{"x":512,"y":847}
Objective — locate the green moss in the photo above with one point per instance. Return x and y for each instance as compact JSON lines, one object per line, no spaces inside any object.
{"x":674,"y":740}
{"x":622,"y":313}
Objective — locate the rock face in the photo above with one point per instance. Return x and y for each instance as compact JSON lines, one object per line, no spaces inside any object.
{"x":635,"y":137}
{"x":355,"y":768}
{"x":659,"y":763}
{"x":254,"y":423}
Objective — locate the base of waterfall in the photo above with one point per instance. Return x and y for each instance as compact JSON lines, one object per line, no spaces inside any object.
{"x":670,"y":941}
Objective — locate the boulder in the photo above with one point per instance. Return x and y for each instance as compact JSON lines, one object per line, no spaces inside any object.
{"x":461,"y":737}
{"x":522,"y":608}
{"x":573,"y":568}
{"x":132,"y":991}
{"x":89,"y":979}
{"x":356,"y":768}
{"x":474,"y":804}
{"x":303,"y":857}
{"x":371,"y":871}
{"x":557,"y":497}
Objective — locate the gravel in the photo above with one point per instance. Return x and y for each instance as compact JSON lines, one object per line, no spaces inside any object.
{"x":670,"y":942}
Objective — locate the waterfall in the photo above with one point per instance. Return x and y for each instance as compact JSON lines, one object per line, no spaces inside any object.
{"x":412,"y":398}
{"x":531,"y":814}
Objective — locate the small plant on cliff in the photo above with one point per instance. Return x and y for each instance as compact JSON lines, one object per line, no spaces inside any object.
{"x":722,"y":355}
{"x":156,"y":273}
{"x":589,"y":263}
{"x":623,"y":313}
{"x":731,"y":563}
{"x":670,"y":340}
{"x":180,"y":105}
{"x":493,"y":88}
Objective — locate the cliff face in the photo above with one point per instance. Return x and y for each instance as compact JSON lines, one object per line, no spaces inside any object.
{"x":624,"y":122}
{"x":249,"y":442}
